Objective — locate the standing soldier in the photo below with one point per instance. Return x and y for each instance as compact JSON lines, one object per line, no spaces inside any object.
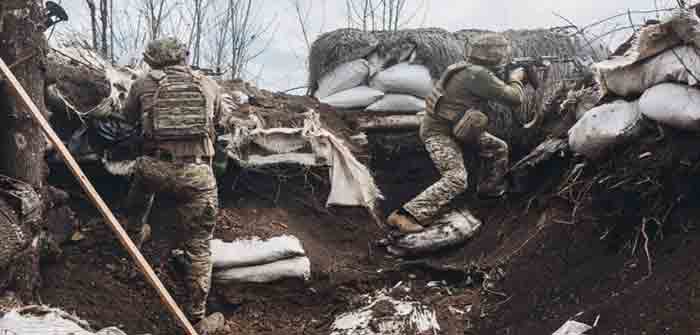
{"x":178,"y":110}
{"x":454,"y":118}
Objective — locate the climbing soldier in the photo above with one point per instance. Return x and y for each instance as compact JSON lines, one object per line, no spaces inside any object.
{"x":178,"y":110}
{"x":455,"y":117}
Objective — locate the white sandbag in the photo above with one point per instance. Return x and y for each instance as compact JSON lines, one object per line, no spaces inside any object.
{"x":344,"y":77}
{"x":605,"y":126}
{"x":672,"y":104}
{"x":49,"y":321}
{"x":573,"y":328}
{"x":398,"y":103}
{"x":680,"y":65}
{"x":358,"y":97}
{"x":383,"y":314}
{"x":404,"y":78}
{"x":453,"y":228}
{"x":299,"y":267}
{"x":254,"y":251}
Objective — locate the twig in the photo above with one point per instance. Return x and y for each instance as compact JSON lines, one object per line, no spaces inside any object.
{"x":646,"y":249}
{"x":654,"y":11}
{"x":629,"y":16}
{"x":582,"y":33}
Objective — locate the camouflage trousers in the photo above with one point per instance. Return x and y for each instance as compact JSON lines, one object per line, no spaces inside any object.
{"x":193,"y":187}
{"x":446,"y":153}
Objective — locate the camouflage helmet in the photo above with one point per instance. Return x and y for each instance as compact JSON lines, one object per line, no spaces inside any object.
{"x":164,"y":52}
{"x":491,"y":49}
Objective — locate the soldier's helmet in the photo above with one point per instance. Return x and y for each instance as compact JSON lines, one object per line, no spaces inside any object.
{"x":164,"y":52}
{"x":490,"y":49}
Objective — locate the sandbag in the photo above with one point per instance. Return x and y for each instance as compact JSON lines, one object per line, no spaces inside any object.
{"x":254,"y":252}
{"x":404,"y":78}
{"x":398,"y":103}
{"x":453,"y":228}
{"x":358,"y":97}
{"x":681,"y":65}
{"x":672,"y":104}
{"x":48,"y":321}
{"x":344,"y":77}
{"x":384,"y":313}
{"x":299,"y":267}
{"x":604,"y":127}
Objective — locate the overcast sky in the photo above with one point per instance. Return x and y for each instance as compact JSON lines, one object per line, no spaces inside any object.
{"x":282,"y":66}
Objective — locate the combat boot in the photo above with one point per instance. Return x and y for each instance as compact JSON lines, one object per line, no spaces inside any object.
{"x":210,"y":325}
{"x":404,"y":223}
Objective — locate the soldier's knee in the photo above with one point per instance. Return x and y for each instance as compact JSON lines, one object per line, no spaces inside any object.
{"x":458,"y":179}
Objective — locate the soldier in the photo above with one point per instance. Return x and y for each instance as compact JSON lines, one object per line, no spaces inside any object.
{"x":454,"y":118}
{"x":177,"y":109}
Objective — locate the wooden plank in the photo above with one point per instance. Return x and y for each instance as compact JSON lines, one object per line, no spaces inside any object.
{"x":89,"y":189}
{"x":395,"y":122}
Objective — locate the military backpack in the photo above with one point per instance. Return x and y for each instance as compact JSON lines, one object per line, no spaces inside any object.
{"x":179,"y":110}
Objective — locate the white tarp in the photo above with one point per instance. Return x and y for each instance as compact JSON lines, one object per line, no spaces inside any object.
{"x":352,"y":184}
{"x":298,"y":267}
{"x":358,"y":97}
{"x":404,"y":78}
{"x":680,"y":65}
{"x":672,"y":104}
{"x":394,"y":317}
{"x":254,"y":251}
{"x":605,"y":126}
{"x":573,"y":328}
{"x":398,"y":103}
{"x":344,"y":77}
{"x":453,"y":228}
{"x":47,"y":321}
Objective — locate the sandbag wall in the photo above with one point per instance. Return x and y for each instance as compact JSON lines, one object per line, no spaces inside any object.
{"x":381,"y":72}
{"x":654,"y":81}
{"x":387,"y":74}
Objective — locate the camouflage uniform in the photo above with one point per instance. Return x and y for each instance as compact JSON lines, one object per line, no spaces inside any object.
{"x":465,"y":88}
{"x":179,"y":169}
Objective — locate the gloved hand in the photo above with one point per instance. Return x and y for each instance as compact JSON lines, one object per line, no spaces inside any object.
{"x":519,"y":75}
{"x":470,"y":126}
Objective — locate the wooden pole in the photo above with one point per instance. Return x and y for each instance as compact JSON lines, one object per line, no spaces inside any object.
{"x":109,"y":217}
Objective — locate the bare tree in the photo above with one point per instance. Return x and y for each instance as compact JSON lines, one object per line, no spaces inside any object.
{"x":245,"y":32}
{"x":303,"y":15}
{"x":93,"y":20}
{"x":104,"y":19}
{"x":380,"y":14}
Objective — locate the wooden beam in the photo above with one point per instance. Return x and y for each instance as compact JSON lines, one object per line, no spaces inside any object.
{"x":392,"y":122}
{"x":110,"y":219}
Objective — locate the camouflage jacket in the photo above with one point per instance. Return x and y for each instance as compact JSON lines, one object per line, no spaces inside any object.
{"x":465,"y":86}
{"x":219,"y":104}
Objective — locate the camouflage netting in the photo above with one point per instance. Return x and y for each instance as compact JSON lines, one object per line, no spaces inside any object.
{"x":337,"y":47}
{"x":435,"y":48}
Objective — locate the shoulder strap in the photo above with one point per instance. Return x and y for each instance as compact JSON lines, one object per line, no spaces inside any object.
{"x":450,"y":72}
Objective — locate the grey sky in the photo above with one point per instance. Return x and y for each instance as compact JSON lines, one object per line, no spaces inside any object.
{"x":283,"y":65}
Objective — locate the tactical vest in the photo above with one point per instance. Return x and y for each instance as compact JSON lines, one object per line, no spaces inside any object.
{"x":179,"y":110}
{"x":437,"y":97}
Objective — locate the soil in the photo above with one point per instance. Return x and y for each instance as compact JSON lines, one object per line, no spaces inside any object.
{"x":607,"y":245}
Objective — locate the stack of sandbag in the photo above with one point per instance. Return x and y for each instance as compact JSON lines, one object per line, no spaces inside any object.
{"x":387,"y":72}
{"x":41,"y":320}
{"x":655,"y":79}
{"x":453,"y":228}
{"x":259,"y":261}
{"x":664,"y":52}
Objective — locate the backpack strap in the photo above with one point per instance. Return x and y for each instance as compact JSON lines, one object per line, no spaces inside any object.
{"x":160,"y":77}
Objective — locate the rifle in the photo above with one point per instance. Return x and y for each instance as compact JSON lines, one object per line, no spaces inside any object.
{"x":532,"y":66}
